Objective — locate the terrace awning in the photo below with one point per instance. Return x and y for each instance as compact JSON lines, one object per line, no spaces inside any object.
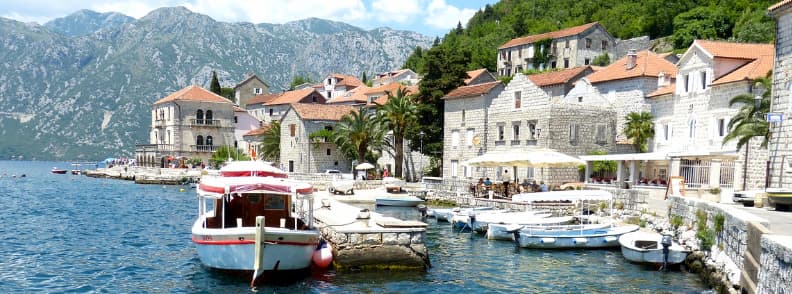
{"x":536,"y":158}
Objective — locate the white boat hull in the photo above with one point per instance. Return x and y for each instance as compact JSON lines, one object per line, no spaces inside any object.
{"x":573,"y":236}
{"x":506,"y":231}
{"x":407,"y":201}
{"x":650,"y":254}
{"x":234,"y":248}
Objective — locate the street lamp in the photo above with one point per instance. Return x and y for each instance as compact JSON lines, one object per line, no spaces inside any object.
{"x":758,"y":90}
{"x":421,"y":165}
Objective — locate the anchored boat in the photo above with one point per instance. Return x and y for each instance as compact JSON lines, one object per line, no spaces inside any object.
{"x":649,"y":247}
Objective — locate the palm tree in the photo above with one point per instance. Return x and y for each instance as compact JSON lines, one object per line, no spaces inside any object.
{"x":749,"y":122}
{"x":270,"y":147}
{"x":357,"y":133}
{"x":639,"y":128}
{"x":398,"y":114}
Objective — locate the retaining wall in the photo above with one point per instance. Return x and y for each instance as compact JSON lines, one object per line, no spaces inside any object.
{"x":775,"y":275}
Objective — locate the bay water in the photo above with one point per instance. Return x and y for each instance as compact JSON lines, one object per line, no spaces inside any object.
{"x":68,"y":233}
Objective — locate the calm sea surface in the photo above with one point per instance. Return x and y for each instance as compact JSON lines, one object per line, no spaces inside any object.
{"x":65,"y":233}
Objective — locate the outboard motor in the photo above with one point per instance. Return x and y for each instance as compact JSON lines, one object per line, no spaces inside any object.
{"x":666,"y":242}
{"x":422,"y":210}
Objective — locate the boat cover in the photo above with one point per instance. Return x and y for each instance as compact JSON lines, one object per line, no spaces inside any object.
{"x":252,"y":169}
{"x":225,"y":185}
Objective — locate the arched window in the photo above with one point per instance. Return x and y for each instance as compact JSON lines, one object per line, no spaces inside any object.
{"x":209,"y":140}
{"x":199,"y":114}
{"x":209,"y":116}
{"x":199,"y":140}
{"x":692,"y":128}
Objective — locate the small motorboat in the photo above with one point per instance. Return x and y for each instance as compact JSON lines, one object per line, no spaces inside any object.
{"x":392,"y":184}
{"x":342,"y":186}
{"x":56,"y":170}
{"x":408,"y":201}
{"x":445,"y":214}
{"x":647,"y":247}
{"x":572,"y":236}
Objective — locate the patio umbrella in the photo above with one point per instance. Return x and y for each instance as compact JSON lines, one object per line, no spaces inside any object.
{"x":536,"y":158}
{"x":364,"y":166}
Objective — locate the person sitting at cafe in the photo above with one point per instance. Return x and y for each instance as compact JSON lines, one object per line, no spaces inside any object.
{"x":487,"y":183}
{"x":543,"y":186}
{"x":534,"y":186}
{"x":481,"y":182}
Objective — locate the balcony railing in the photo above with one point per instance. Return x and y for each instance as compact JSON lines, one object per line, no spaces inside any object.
{"x":206,"y":122}
{"x":203,"y":148}
{"x":160,"y":123}
{"x":154,"y":147}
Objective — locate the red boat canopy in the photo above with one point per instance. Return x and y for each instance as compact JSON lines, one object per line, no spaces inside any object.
{"x":225,"y":185}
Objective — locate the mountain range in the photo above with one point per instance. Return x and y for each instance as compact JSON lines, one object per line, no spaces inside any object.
{"x":81,"y":87}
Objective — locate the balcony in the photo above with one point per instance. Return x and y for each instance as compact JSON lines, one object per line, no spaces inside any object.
{"x":154,"y":147}
{"x":160,"y":123}
{"x":205,"y":123}
{"x":203,"y":148}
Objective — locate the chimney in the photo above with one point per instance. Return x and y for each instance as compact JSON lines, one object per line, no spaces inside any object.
{"x":632,"y":58}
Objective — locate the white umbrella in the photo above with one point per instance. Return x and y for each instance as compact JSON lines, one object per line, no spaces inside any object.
{"x":364,"y":166}
{"x":536,"y":158}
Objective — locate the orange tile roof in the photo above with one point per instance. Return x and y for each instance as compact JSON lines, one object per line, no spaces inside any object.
{"x":647,"y":64}
{"x":720,"y":49}
{"x":473,"y":74}
{"x":551,"y":35}
{"x":663,"y":91}
{"x":193,"y":93}
{"x":297,"y":96}
{"x":239,"y":109}
{"x":473,"y":90}
{"x":347,"y":80}
{"x":557,"y":77}
{"x":779,"y":5}
{"x":322,"y":111}
{"x":390,"y":74}
{"x":382,"y":99}
{"x":751,"y":71}
{"x":391,"y":88}
{"x":263,"y":99}
{"x":357,"y":95}
{"x":258,"y":132}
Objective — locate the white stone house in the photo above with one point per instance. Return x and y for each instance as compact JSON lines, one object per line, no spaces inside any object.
{"x":781,"y":144}
{"x":191,"y":123}
{"x":244,"y":122}
{"x":267,"y":108}
{"x":301,"y":154}
{"x":570,"y":47}
{"x":479,"y":76}
{"x":251,"y":86}
{"x":557,"y":84}
{"x":335,"y":85}
{"x":403,"y":76}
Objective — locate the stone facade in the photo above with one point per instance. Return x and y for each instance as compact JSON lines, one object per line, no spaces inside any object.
{"x":781,"y":134}
{"x":565,"y":52}
{"x":251,"y":86}
{"x":178,"y":127}
{"x":299,"y":154}
{"x":775,"y":275}
{"x":626,"y":96}
{"x":467,"y":117}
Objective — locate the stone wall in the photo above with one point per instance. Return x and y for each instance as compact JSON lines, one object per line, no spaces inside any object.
{"x":475,"y":111}
{"x":781,"y":134}
{"x":626,"y":96}
{"x":775,"y":275}
{"x":733,"y":238}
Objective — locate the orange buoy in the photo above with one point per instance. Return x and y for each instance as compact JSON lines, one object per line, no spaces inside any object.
{"x":323,"y":256}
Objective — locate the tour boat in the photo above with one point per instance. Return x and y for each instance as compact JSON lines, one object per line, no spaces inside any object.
{"x":230,"y":232}
{"x":408,"y":201}
{"x":56,"y":170}
{"x":648,"y":247}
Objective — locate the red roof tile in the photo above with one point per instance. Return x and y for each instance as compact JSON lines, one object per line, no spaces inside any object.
{"x":473,"y":74}
{"x":382,"y":99}
{"x":357,"y":95}
{"x":263,"y":99}
{"x":751,"y":71}
{"x":347,"y":80}
{"x":779,"y":5}
{"x":551,"y":35}
{"x":647,"y":64}
{"x":663,"y":91}
{"x":473,"y":90}
{"x":297,"y":96}
{"x":193,"y":93}
{"x":258,"y":132}
{"x":720,"y":49}
{"x":558,"y":76}
{"x":322,"y":111}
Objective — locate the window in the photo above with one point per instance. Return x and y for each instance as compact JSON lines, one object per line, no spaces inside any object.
{"x":168,"y":138}
{"x":292,"y":129}
{"x":517,"y":99}
{"x":469,"y":137}
{"x":467,"y":170}
{"x":257,"y":91}
{"x":601,"y":133}
{"x":515,"y":132}
{"x":580,"y":99}
{"x":553,"y":64}
{"x":313,"y":98}
{"x":666,"y":131}
{"x":703,"y":80}
{"x":236,"y":144}
{"x":329,"y":81}
{"x":566,"y":44}
{"x":532,"y":130}
{"x":463,"y":116}
{"x":685,"y":78}
{"x":328,"y":151}
{"x":208,"y":116}
{"x":566,"y":62}
{"x":209,"y":140}
{"x":586,"y":61}
{"x":271,"y":111}
{"x":604,"y":45}
{"x":721,"y":125}
{"x":199,"y":140}
{"x":199,"y":115}
{"x":573,"y":133}
{"x":588,"y":44}
{"x":692,"y":128}
{"x":236,"y":119}
{"x":454,"y":167}
{"x":500,"y":133}
{"x":291,"y":166}
{"x":519,"y":53}
{"x":329,"y":94}
{"x":454,"y":138}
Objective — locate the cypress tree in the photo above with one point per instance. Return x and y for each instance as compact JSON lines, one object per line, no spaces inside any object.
{"x":215,"y":85}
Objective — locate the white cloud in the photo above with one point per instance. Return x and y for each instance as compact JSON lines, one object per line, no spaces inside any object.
{"x":279,"y":11}
{"x":397,"y":11}
{"x":443,"y":16}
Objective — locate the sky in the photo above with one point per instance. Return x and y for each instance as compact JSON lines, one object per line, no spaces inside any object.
{"x":429,"y":17}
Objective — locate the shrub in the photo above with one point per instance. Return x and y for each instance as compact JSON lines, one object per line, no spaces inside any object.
{"x":719,"y":219}
{"x":676,"y":221}
{"x":706,"y":238}
{"x":618,"y":205}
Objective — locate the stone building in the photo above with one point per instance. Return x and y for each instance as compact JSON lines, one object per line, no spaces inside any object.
{"x":781,"y":134}
{"x":520,"y":117}
{"x":335,"y":85}
{"x":570,"y":47}
{"x":267,"y":108}
{"x":248,"y":88}
{"x":301,"y":154}
{"x":244,"y":122}
{"x":356,"y":96}
{"x":191,"y":123}
{"x":479,"y":76}
{"x":403,"y":76}
{"x":558,"y":83}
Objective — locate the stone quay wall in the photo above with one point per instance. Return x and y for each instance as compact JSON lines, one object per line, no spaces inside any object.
{"x":383,"y":248}
{"x":775,"y":275}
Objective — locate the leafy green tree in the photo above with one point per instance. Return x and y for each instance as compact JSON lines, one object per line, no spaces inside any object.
{"x":415,"y":61}
{"x":601,"y":60}
{"x":299,"y":80}
{"x":215,"y":85}
{"x":754,"y":26}
{"x":640,"y":129}
{"x":398,"y":114}
{"x":701,"y":23}
{"x":270,"y":147}
{"x":223,"y":153}
{"x":228,"y":93}
{"x":604,"y":166}
{"x":750,"y":122}
{"x":357,"y":133}
{"x":364,"y":78}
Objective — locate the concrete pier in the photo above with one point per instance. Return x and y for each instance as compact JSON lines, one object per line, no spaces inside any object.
{"x":147,"y":175}
{"x":378,"y":242}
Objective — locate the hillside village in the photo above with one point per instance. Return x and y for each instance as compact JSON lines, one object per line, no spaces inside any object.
{"x":570,"y":106}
